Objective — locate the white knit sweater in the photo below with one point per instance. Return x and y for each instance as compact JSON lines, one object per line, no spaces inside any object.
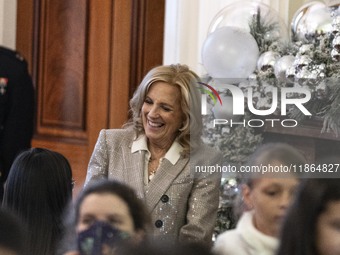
{"x":245,"y":240}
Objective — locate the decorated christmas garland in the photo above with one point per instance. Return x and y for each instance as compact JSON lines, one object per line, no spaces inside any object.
{"x":311,"y":62}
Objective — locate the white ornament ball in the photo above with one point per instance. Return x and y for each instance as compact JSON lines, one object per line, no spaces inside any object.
{"x":230,"y":53}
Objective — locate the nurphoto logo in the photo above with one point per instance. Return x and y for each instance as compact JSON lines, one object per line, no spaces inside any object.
{"x":238,"y":104}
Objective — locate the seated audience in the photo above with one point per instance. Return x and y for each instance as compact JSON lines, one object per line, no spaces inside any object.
{"x":38,"y":189}
{"x":105,"y":215}
{"x":267,"y":197}
{"x":312,"y":225}
{"x":12,"y":235}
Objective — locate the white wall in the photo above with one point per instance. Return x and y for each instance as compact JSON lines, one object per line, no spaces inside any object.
{"x":8,"y":23}
{"x":186,"y":26}
{"x":187,"y":22}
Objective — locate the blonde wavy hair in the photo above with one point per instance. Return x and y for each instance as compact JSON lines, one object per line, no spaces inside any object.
{"x":189,"y":135}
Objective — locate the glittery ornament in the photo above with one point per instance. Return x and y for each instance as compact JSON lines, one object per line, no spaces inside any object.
{"x":335,"y":55}
{"x":301,"y":61}
{"x":310,"y":20}
{"x":336,"y":21}
{"x":322,"y":76}
{"x":229,"y":188}
{"x":267,"y":60}
{"x":335,"y":25}
{"x":315,"y":74}
{"x":252,"y":77}
{"x":290,"y":73}
{"x":336,"y":42}
{"x":226,"y":219}
{"x":306,"y":49}
{"x":335,"y":29}
{"x":281,"y":67}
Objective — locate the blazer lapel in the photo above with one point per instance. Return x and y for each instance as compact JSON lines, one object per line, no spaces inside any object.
{"x":164,"y":177}
{"x":134,"y":171}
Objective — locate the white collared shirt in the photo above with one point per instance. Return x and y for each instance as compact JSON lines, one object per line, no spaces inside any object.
{"x":173,"y":154}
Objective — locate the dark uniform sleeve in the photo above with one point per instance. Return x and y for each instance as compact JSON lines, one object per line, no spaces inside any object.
{"x":16,"y":108}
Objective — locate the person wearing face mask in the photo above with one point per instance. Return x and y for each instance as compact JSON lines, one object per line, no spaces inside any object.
{"x":266,"y":198}
{"x":156,"y":153}
{"x":106,"y":214}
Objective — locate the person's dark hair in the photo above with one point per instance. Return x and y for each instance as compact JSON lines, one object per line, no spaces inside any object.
{"x":38,"y":189}
{"x":127,"y":194}
{"x":12,"y":233}
{"x":298,"y":236}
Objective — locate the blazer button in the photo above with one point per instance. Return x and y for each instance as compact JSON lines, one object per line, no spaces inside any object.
{"x":159,"y":223}
{"x":165,"y":199}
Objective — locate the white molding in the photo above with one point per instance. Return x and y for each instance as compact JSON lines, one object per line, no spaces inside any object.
{"x":170,"y":53}
{"x":181,"y":32}
{"x":8,"y":16}
{"x":2,"y":10}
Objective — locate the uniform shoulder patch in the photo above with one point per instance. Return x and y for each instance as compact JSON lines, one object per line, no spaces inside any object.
{"x":11,"y":53}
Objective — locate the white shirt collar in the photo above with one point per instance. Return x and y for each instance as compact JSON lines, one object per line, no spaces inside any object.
{"x":140,"y":144}
{"x":173,"y":154}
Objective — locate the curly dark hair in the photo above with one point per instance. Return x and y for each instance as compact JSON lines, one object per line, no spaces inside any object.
{"x":136,"y":208}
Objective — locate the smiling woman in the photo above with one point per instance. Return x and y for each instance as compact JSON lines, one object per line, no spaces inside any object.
{"x":162,"y":116}
{"x":154,"y":152}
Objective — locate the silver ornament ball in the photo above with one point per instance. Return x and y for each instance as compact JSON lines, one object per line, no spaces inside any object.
{"x":336,"y":42}
{"x":267,"y":60}
{"x":335,"y":55}
{"x":311,"y":19}
{"x":281,"y":67}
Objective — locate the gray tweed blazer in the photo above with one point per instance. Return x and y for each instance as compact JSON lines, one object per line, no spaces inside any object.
{"x":183,"y":205}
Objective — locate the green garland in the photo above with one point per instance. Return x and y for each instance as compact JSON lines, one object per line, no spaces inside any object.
{"x":331,"y":111}
{"x":237,"y":143}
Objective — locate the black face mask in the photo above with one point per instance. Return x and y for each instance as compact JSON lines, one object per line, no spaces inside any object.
{"x":91,"y":240}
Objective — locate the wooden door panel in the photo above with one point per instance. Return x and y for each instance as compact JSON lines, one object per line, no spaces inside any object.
{"x":86,"y":58}
{"x":61,"y":60}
